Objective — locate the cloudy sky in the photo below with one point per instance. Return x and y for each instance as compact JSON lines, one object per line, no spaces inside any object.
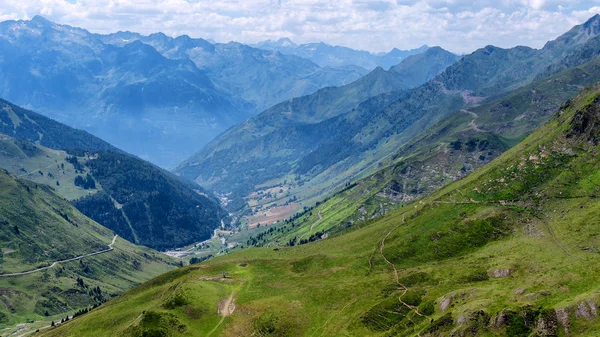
{"x":378,"y":25}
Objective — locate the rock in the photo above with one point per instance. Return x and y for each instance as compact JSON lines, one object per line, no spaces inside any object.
{"x":593,"y":307}
{"x":563,"y":317}
{"x":519,"y":291}
{"x":547,"y":324}
{"x":500,"y":273}
{"x":499,"y":321}
{"x":446,"y":301}
{"x":586,"y":310}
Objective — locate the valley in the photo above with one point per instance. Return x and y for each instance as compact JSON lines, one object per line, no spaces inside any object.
{"x":499,"y":239}
{"x":312,"y":189}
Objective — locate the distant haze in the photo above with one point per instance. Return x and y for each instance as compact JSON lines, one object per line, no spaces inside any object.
{"x":456,"y":25}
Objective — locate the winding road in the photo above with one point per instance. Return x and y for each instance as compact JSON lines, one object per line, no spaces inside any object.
{"x":110,"y":248}
{"x":403,"y":288}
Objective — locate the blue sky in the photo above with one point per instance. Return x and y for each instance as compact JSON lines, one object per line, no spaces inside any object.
{"x":379,"y":25}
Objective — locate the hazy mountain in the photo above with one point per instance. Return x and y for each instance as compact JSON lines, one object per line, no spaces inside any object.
{"x":327,"y":55}
{"x":510,"y":250}
{"x":139,"y":201}
{"x":160,"y":105}
{"x":315,"y":158}
{"x":131,"y":96}
{"x":258,"y":77}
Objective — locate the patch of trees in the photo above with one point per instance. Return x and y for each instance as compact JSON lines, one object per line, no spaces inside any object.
{"x":88,"y":309}
{"x":76,"y":164}
{"x":195,"y":260}
{"x":96,"y":294}
{"x":150,"y":198}
{"x":312,"y":238}
{"x":87,"y":183}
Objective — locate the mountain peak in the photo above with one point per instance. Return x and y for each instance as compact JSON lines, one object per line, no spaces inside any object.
{"x":592,"y":25}
{"x":578,"y":35}
{"x":40,"y":21}
{"x":593,"y":20}
{"x":285,"y":42}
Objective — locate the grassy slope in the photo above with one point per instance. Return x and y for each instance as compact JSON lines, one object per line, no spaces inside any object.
{"x":42,"y":165}
{"x":510,"y":250}
{"x":39,"y":227}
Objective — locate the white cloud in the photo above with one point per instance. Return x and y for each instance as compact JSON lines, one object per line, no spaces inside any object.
{"x":379,"y":25}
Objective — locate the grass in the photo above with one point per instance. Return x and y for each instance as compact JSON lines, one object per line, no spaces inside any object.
{"x":42,"y":165}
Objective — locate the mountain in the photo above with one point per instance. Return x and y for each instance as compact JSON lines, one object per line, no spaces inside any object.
{"x":139,"y":201}
{"x":160,"y":105}
{"x":417,"y":69}
{"x":279,"y":136}
{"x":332,"y":152}
{"x":131,"y":95}
{"x":449,"y":150}
{"x":260,"y":78}
{"x":38,"y":227}
{"x":510,"y":250}
{"x":327,"y":55}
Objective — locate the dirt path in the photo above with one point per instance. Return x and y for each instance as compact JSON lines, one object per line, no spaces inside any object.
{"x":396,"y":278}
{"x":312,"y":226}
{"x":110,"y":248}
{"x":472,"y":124}
{"x":334,"y":315}
{"x":42,"y":168}
{"x":225,"y":309}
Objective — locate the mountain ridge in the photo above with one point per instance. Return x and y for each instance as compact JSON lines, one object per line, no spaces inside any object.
{"x":139,"y":201}
{"x":325,"y":54}
{"x":39,"y":228}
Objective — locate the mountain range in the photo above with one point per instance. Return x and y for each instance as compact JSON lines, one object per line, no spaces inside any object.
{"x":161,"y":105}
{"x":327,"y":55}
{"x":329,"y":151}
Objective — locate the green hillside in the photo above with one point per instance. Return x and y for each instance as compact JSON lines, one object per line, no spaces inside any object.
{"x":139,"y":201}
{"x":38,"y":228}
{"x":509,"y":250}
